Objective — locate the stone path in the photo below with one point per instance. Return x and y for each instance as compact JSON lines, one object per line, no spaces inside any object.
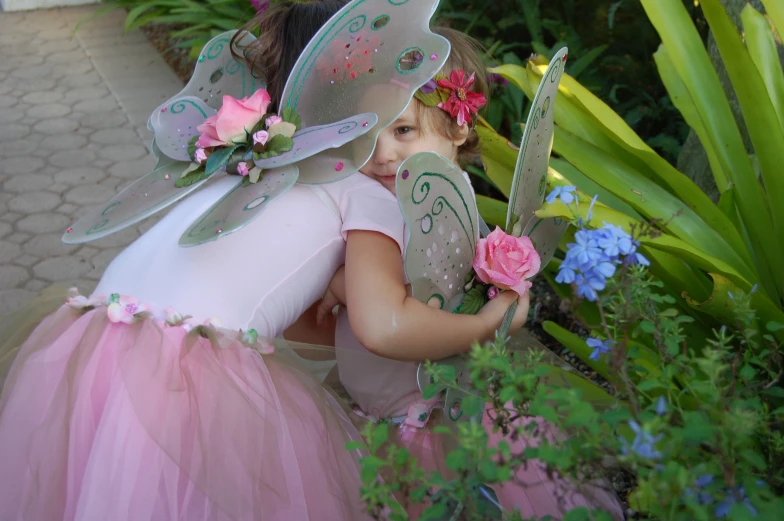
{"x":73,"y":112}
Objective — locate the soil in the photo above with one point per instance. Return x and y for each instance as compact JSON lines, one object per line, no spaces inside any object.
{"x":546,"y":305}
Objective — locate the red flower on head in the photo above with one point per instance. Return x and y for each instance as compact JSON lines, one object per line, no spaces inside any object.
{"x":462,"y":101}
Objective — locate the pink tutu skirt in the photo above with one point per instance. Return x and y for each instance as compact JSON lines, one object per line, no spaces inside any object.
{"x":144,"y":421}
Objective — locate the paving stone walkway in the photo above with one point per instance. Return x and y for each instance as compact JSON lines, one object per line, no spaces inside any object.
{"x":73,"y":112}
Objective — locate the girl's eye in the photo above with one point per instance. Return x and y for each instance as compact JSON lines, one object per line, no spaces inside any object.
{"x":403,"y":130}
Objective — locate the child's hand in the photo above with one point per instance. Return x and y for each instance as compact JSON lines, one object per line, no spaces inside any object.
{"x":324,"y":314}
{"x":493,"y":312}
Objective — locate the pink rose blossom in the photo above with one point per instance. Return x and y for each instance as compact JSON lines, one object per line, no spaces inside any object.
{"x":273,"y":120}
{"x":242,"y":168}
{"x":506,"y":261}
{"x":200,"y":156}
{"x":233,"y":120}
{"x":260,"y":137}
{"x":125,"y":310}
{"x":492,"y":292}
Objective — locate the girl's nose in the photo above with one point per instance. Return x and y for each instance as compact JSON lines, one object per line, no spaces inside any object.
{"x":385,"y":150}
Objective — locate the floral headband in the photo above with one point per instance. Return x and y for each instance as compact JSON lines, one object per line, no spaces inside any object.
{"x":452,"y":94}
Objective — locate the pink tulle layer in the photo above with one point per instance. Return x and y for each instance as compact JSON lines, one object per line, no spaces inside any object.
{"x":142,"y":422}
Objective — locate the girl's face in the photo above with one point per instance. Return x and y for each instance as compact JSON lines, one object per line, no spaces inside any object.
{"x":402,"y":139}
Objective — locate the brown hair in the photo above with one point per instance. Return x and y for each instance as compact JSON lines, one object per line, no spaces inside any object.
{"x":464,"y":55}
{"x":285,"y":29}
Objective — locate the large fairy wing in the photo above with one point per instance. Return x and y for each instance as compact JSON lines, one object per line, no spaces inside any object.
{"x":370,"y":57}
{"x":312,"y":140}
{"x":439,"y":208}
{"x":240,"y":206}
{"x":175,"y":125}
{"x":217,"y":74}
{"x":530,"y":175}
{"x":143,"y":198}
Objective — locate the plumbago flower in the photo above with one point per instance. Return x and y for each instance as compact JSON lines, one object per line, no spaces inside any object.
{"x":241,"y":131}
{"x":595,"y":253}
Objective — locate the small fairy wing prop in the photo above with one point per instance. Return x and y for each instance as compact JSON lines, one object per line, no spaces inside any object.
{"x":440,"y":210}
{"x":175,"y":125}
{"x":530,"y":176}
{"x":240,"y":206}
{"x":545,"y":234}
{"x":371,"y":56}
{"x":217,"y":74}
{"x":143,"y":198}
{"x":313,"y":140}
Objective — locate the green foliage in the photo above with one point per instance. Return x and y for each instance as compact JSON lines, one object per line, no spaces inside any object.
{"x":701,"y":252}
{"x":696,"y":425}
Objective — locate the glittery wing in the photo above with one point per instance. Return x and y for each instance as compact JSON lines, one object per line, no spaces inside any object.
{"x":439,"y":207}
{"x":370,"y":57}
{"x":217,"y":73}
{"x":143,"y":198}
{"x":175,"y":124}
{"x":312,"y":140}
{"x":240,"y":206}
{"x":440,"y":210}
{"x":530,"y":176}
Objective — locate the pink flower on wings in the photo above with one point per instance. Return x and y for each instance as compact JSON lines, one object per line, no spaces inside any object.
{"x":462,"y":101}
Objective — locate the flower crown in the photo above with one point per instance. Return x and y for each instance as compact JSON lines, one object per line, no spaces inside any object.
{"x":452,"y":94}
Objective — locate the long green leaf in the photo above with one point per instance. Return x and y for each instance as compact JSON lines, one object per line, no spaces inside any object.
{"x":691,"y":60}
{"x":761,"y":121}
{"x":680,"y":97}
{"x":499,"y":156}
{"x":583,"y":114}
{"x":135,"y":13}
{"x":762,"y":48}
{"x":492,"y":210}
{"x":775,"y":9}
{"x":648,"y":198}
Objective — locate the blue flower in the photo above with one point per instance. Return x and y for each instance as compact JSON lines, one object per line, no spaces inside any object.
{"x":565,"y":275}
{"x":585,"y":248}
{"x":701,"y":497}
{"x":565,"y":193}
{"x":732,"y":497}
{"x":614,"y":240}
{"x":661,"y":407}
{"x":643,"y":444}
{"x":589,"y":215}
{"x":599,"y":347}
{"x":588,"y":286}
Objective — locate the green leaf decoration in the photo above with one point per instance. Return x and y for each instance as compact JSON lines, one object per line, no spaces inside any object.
{"x":276,"y":146}
{"x":473,"y":301}
{"x":218,"y":158}
{"x":289,"y":115}
{"x":192,"y":146}
{"x":191,"y":177}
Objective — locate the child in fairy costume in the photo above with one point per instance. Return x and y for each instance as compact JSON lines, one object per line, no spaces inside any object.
{"x":157,"y":398}
{"x":380,"y":374}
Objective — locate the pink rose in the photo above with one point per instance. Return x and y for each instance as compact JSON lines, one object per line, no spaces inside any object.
{"x":260,"y":137}
{"x":273,"y":120}
{"x":242,"y":168}
{"x":506,"y":261}
{"x":233,"y":120}
{"x":200,"y":156}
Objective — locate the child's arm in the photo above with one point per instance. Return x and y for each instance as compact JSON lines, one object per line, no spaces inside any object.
{"x":335,"y":295}
{"x":393,"y":325}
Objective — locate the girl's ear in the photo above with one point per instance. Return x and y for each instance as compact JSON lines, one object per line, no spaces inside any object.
{"x":462,"y":135}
